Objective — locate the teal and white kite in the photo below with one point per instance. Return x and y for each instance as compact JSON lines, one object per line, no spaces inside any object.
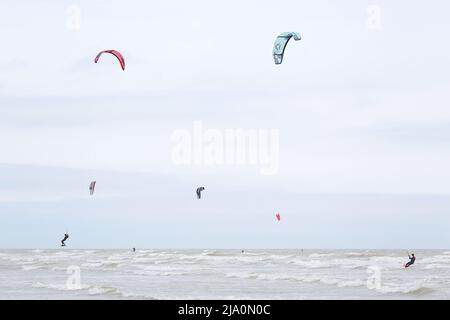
{"x":280,"y":44}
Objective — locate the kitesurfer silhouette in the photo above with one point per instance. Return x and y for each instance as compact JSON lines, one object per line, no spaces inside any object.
{"x":412,"y":259}
{"x":66,"y":236}
{"x":199,"y":192}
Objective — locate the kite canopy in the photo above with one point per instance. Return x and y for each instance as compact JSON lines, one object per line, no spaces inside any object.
{"x":92,"y":187}
{"x":116,"y":53}
{"x":199,"y":192}
{"x":278,"y":216}
{"x":280,"y":44}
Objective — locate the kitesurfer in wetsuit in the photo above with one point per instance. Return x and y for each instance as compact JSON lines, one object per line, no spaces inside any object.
{"x":134,"y":249}
{"x":199,"y":192}
{"x":412,"y":259}
{"x":66,"y":236}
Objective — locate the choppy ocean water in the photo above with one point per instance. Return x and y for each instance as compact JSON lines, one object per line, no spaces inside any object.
{"x":223,"y":274}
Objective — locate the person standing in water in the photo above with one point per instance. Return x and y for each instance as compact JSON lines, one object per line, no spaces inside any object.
{"x":412,"y":259}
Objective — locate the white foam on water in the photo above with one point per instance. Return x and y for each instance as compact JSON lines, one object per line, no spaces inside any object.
{"x":299,"y":278}
{"x":103,"y":290}
{"x":61,"y":287}
{"x":29,"y":268}
{"x":257,"y":274}
{"x":311,"y":264}
{"x":320,"y":255}
{"x":92,"y":264}
{"x":437,"y":266}
{"x":414,"y":288}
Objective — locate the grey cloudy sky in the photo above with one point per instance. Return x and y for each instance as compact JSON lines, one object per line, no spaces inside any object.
{"x":363,"y":116}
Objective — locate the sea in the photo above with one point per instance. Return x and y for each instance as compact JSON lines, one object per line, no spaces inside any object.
{"x":223,"y":274}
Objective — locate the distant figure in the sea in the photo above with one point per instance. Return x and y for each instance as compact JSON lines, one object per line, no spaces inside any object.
{"x":412,"y":259}
{"x":66,"y":236}
{"x":134,"y":249}
{"x":242,"y":251}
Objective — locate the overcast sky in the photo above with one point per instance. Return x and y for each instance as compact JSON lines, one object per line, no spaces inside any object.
{"x":361,"y":104}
